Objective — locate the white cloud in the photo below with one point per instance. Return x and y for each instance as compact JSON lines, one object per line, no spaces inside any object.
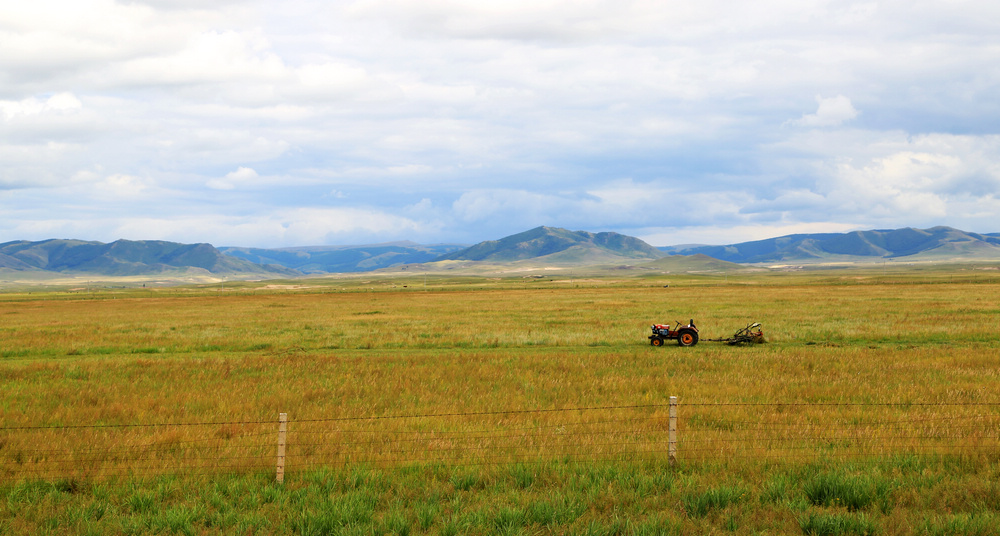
{"x":330,"y":81}
{"x":59,"y":103}
{"x":212,"y":57}
{"x":232,"y":179}
{"x":122,"y":186}
{"x":893,"y":185}
{"x":242,"y":174}
{"x":501,"y":115}
{"x":831,"y":112}
{"x":884,"y":180}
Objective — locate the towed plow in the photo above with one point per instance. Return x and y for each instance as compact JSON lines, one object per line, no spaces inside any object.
{"x":753,"y":333}
{"x":689,"y":335}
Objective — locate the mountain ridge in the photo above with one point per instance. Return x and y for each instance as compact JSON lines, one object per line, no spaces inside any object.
{"x":127,"y":258}
{"x":908,"y":242}
{"x":539,"y":246}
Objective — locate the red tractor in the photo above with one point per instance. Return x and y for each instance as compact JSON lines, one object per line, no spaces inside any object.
{"x":684,"y":335}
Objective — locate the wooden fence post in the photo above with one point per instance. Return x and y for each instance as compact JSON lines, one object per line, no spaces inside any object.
{"x":672,"y":437}
{"x":282,"y":431}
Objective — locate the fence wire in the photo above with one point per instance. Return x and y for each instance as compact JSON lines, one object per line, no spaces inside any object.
{"x":713,"y":432}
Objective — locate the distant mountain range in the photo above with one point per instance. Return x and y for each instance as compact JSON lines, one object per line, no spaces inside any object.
{"x":558,"y":246}
{"x":128,"y":258}
{"x":936,"y":243}
{"x":325,"y":259}
{"x":539,"y":246}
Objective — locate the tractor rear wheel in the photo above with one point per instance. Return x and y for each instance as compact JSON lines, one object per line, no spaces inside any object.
{"x":687,"y":337}
{"x":656,"y":341}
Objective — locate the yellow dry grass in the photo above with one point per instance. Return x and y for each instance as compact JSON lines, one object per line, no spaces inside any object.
{"x":145,"y":383}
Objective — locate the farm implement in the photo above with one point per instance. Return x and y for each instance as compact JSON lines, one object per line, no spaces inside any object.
{"x":689,"y":336}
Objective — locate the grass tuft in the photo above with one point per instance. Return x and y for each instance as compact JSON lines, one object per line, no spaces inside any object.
{"x":698,"y":504}
{"x":815,"y":524}
{"x":465,"y":481}
{"x":851,"y":492}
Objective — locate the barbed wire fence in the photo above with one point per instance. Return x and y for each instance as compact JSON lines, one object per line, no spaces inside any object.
{"x":682,"y":433}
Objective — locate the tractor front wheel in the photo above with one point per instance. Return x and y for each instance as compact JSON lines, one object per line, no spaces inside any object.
{"x":656,"y":341}
{"x":687,"y":337}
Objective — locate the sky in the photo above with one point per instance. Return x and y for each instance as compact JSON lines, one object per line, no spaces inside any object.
{"x":298,"y":123}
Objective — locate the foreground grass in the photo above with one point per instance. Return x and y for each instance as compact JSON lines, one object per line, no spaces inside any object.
{"x":895,"y":495}
{"x":873,"y":408}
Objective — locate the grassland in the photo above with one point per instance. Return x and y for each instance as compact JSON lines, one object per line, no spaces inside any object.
{"x":872,"y":409}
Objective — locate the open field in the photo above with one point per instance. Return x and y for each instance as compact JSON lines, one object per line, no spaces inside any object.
{"x":526,"y":404}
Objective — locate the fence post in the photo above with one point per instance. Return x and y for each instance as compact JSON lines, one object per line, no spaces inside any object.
{"x":672,"y":436}
{"x":282,"y":431}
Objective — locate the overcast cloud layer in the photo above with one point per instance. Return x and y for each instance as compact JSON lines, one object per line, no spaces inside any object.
{"x":347,"y":122}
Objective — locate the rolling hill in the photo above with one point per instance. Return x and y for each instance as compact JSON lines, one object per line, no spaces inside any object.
{"x":936,"y":243}
{"x":694,"y":263}
{"x":127,"y":258}
{"x":558,"y":246}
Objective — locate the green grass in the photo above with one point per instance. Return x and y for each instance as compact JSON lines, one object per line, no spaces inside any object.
{"x":572,"y":499}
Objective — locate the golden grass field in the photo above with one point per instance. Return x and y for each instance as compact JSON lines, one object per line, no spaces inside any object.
{"x":455,"y":388}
